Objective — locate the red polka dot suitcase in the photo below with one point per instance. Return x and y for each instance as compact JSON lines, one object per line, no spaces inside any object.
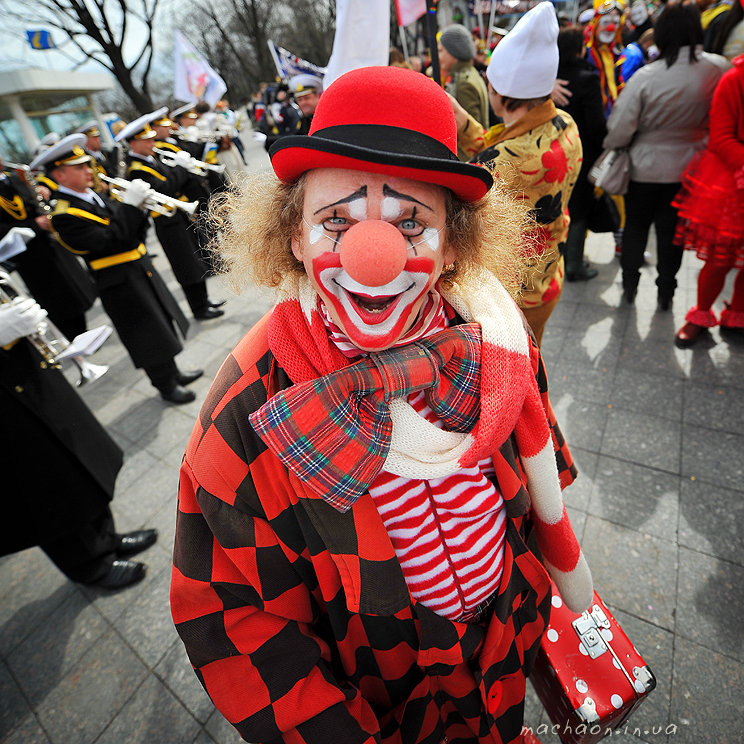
{"x":588,"y":675}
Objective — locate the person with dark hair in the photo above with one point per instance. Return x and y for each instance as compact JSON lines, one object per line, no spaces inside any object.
{"x":662,"y":116}
{"x":729,"y":38}
{"x":109,"y":235}
{"x":586,"y":109}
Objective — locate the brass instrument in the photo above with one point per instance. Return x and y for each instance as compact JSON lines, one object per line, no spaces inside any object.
{"x":198,"y":167}
{"x":155,"y":201}
{"x":48,"y":340}
{"x":196,"y":134}
{"x":43,"y":207}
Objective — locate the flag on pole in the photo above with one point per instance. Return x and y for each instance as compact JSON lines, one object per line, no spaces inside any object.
{"x":194,"y":79}
{"x":409,"y":11}
{"x":288,"y":65}
{"x":362,"y":37}
{"x":40,"y":40}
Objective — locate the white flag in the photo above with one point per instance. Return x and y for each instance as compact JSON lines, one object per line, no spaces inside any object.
{"x":194,"y":79}
{"x":362,"y":37}
{"x":409,"y":11}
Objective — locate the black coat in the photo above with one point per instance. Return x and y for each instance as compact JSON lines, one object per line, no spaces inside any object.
{"x":586,"y":108}
{"x":59,"y":464}
{"x":140,"y":306}
{"x":176,"y":234}
{"x":56,"y":279}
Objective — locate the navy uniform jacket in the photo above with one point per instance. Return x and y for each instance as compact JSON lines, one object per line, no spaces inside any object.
{"x":50,"y":430}
{"x":110,"y":239}
{"x":176,"y":234}
{"x":55,"y":278}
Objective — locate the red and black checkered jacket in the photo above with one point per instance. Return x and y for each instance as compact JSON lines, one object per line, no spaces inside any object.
{"x":297,"y":618}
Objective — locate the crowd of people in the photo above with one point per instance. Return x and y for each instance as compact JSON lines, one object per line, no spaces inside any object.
{"x":368,"y":531}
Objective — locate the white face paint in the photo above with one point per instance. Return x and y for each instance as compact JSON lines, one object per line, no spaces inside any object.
{"x":390,"y":208}
{"x":607,"y":27}
{"x":358,"y":209}
{"x":316,"y":233}
{"x":431,"y":237}
{"x":373,"y":317}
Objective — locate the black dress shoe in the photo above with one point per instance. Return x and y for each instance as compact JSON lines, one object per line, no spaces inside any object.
{"x":217,"y":304}
{"x":209,"y":313}
{"x":178,"y":394}
{"x":121,"y":574}
{"x":584,"y":274}
{"x":629,"y":294}
{"x":135,"y":542}
{"x":186,"y":378}
{"x":664,"y":300}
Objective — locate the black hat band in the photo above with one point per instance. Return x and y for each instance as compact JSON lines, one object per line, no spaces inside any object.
{"x":392,"y":140}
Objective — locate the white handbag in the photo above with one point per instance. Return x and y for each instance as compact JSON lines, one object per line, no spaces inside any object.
{"x":611,"y":171}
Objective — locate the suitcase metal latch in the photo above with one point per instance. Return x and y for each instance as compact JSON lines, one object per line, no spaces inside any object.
{"x":587,"y":627}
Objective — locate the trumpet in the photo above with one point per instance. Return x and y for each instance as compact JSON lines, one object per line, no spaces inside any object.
{"x":48,"y":340}
{"x":195,"y":134}
{"x":198,"y":167}
{"x":155,"y":201}
{"x":43,"y":207}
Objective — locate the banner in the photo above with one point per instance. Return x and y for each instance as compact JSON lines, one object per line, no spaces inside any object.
{"x":409,"y":11}
{"x":362,"y":37}
{"x":194,"y":79}
{"x":40,"y":40}
{"x":288,"y":65}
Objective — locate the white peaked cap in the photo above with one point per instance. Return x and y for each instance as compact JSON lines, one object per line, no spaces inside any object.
{"x":525,"y":63}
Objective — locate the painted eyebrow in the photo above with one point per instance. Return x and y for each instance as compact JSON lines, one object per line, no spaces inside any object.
{"x":360,"y":194}
{"x":387,"y":191}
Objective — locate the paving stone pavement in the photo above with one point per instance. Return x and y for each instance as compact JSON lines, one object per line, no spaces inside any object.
{"x":658,"y":436}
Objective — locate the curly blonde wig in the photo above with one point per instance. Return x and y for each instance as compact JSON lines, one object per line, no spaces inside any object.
{"x":254,"y":222}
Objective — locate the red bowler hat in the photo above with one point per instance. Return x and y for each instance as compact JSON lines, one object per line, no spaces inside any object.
{"x":383,"y":120}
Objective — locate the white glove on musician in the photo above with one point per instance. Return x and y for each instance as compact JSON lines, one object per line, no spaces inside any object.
{"x":136,"y":193}
{"x":18,"y":319}
{"x":182,"y":158}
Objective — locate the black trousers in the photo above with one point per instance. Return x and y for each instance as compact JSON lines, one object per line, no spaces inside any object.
{"x":85,"y":553}
{"x":647,"y":204}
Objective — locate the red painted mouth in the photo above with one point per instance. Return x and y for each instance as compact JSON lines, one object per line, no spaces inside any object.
{"x":373,"y":309}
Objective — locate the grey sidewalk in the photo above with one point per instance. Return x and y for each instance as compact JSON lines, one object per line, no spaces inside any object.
{"x":658,"y":436}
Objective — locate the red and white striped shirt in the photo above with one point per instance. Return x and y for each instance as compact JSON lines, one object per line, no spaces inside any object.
{"x":448,"y":533}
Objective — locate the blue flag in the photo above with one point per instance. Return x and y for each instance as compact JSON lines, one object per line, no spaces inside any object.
{"x":40,"y":40}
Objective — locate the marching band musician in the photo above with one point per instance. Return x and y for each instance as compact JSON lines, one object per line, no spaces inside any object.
{"x":175,"y":233}
{"x":109,"y":235}
{"x":54,"y":277}
{"x":51,"y":425}
{"x":187,"y":117}
{"x":103,"y":164}
{"x":197,"y":187}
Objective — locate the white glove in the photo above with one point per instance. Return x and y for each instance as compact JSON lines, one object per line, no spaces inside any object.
{"x":136,"y":193}
{"x":18,"y":319}
{"x":182,"y":158}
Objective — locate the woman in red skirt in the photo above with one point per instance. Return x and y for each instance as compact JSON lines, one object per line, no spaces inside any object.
{"x":711,"y":212}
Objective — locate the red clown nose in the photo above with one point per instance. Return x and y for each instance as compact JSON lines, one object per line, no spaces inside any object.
{"x":373,"y":252}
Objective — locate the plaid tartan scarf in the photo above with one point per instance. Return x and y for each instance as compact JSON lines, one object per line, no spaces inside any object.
{"x":342,"y":423}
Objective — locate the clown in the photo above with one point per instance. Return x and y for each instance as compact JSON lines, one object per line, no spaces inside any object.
{"x":351,"y":556}
{"x":603,"y":41}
